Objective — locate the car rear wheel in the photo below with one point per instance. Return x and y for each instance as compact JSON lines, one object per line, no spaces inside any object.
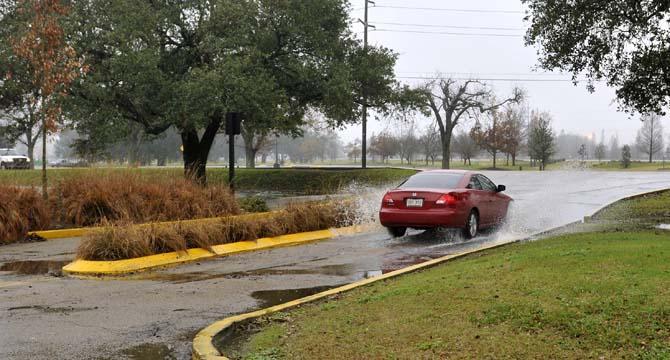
{"x":397,"y":231}
{"x":471,"y":225}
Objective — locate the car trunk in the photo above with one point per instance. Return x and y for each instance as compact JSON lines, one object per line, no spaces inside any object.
{"x":429,"y":196}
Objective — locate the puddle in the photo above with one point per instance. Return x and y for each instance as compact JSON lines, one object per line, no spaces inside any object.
{"x":150,"y":351}
{"x":663,"y":226}
{"x":35,"y":267}
{"x":268,"y":298}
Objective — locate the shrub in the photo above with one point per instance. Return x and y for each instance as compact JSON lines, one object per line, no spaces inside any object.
{"x":89,"y":200}
{"x":253,"y":204}
{"x":21,"y":210}
{"x":115,"y":242}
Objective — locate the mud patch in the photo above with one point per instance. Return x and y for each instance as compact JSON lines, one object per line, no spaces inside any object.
{"x":35,"y":267}
{"x":52,"y":310}
{"x":150,"y":351}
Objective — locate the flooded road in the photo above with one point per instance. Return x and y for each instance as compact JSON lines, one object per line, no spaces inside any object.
{"x":155,"y":315}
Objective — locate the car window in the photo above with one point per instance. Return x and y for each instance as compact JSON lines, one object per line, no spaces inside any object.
{"x":432,"y":181}
{"x":474,"y":183}
{"x":486,"y":183}
{"x":9,"y":152}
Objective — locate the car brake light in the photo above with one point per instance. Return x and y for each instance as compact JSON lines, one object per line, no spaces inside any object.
{"x":446,"y":199}
{"x":388,"y":200}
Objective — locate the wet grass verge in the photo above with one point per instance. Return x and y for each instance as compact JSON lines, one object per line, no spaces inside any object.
{"x":118,"y":242}
{"x":583,"y":296}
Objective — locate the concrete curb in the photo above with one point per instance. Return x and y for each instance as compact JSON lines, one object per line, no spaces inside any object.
{"x":79,"y":232}
{"x":204,"y":349}
{"x":127,"y":266}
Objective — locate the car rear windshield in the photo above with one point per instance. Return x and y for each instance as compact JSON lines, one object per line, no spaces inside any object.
{"x":432,"y":181}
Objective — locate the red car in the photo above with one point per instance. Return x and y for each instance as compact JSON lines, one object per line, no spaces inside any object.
{"x":444,"y":198}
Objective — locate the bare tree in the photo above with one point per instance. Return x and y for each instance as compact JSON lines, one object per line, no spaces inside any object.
{"x":541,"y":143}
{"x":353,"y":150}
{"x":600,"y":151}
{"x":408,"y":144}
{"x":650,"y":137}
{"x":466,"y":147}
{"x":513,"y":132}
{"x":430,"y":143}
{"x":449,"y":100}
{"x":615,"y":149}
{"x":384,"y":144}
{"x":487,"y":133}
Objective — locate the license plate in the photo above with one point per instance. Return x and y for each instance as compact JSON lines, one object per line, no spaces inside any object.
{"x":414,"y":203}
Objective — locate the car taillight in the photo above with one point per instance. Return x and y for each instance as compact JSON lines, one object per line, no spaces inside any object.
{"x":446,"y":199}
{"x":387,"y":201}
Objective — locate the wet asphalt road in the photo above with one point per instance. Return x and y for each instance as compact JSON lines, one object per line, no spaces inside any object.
{"x":155,"y":315}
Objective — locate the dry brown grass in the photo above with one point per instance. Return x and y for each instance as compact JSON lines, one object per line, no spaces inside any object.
{"x":21,"y":210}
{"x":115,"y":242}
{"x":91,"y":200}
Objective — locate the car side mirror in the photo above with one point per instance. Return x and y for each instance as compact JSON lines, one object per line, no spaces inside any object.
{"x":501,"y":188}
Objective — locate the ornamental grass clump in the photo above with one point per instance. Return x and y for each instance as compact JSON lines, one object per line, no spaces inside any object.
{"x":124,"y":241}
{"x":21,"y":210}
{"x":93,"y":200}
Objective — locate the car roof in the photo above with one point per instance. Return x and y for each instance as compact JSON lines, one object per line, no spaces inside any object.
{"x":448,"y":171}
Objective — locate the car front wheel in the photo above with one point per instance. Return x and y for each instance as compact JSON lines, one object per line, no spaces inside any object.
{"x":397,"y":231}
{"x":471,"y":225}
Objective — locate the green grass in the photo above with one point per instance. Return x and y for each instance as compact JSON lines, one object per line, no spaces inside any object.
{"x":304,"y":181}
{"x":589,"y":295}
{"x":634,"y":166}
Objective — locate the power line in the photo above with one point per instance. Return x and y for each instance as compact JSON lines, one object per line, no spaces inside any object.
{"x":487,"y":79}
{"x":486,"y":11}
{"x":448,"y":33}
{"x":424,"y":73}
{"x":451,"y":26}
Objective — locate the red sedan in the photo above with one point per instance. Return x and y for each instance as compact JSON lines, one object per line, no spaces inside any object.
{"x":444,"y":198}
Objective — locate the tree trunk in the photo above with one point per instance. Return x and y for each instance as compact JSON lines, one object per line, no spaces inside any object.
{"x":507,"y":161}
{"x":196,"y":150}
{"x":250,"y":154}
{"x":495,"y":155}
{"x":31,"y":153}
{"x":446,"y":149}
{"x":513,"y":159}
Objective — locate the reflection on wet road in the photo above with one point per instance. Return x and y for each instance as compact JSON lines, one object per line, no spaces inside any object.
{"x":158,"y":312}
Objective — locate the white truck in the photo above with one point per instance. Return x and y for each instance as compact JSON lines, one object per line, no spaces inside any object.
{"x":10,"y":159}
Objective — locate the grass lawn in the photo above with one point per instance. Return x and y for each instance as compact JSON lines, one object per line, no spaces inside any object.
{"x":305,"y":181}
{"x":634,"y":166}
{"x":589,"y":295}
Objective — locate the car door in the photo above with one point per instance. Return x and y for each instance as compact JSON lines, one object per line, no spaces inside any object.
{"x":480,"y":199}
{"x":495,"y":202}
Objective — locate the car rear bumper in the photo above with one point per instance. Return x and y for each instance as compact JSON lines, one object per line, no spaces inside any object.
{"x":445,"y":217}
{"x":23,"y":166}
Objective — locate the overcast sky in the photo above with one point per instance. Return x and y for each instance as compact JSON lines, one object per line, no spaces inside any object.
{"x":494,"y":57}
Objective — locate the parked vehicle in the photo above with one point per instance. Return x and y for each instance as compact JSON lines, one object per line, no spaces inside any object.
{"x":10,"y":159}
{"x":444,"y":198}
{"x":67,"y":163}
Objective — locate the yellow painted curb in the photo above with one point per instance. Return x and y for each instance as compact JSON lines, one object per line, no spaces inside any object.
{"x":79,"y":232}
{"x":203,"y":348}
{"x":121,"y":267}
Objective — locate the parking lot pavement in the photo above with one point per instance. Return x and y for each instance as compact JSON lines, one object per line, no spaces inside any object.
{"x":154,"y":315}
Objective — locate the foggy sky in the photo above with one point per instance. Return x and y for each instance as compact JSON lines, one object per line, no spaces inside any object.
{"x":574,"y":109}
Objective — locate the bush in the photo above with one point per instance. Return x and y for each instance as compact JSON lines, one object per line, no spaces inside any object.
{"x":116,"y":242}
{"x":21,"y":210}
{"x":253,"y":204}
{"x":90,"y":200}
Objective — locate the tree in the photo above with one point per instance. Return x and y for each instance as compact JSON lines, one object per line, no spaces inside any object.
{"x":465,"y":146}
{"x":541,"y":138}
{"x":186,"y":64}
{"x":650,"y":137}
{"x":615,"y":150}
{"x":353,"y":150}
{"x":600,"y":151}
{"x":488,"y":134}
{"x":623,"y":42}
{"x":513,"y":131}
{"x":430,"y":143}
{"x":450,"y":100}
{"x":582,"y":153}
{"x":408,"y":143}
{"x":48,"y":65}
{"x":385,"y":145}
{"x":625,"y":156}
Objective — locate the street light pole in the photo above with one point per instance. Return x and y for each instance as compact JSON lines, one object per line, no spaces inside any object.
{"x":364,"y":121}
{"x":276,"y":165}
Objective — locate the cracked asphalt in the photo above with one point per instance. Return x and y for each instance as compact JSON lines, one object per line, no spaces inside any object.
{"x":155,"y":315}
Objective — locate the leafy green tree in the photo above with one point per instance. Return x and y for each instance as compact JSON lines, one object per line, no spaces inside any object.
{"x":623,"y":42}
{"x":187,"y":63}
{"x":625,"y":156}
{"x":541,"y":144}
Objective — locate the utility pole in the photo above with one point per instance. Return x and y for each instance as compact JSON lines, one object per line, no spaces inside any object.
{"x":364,"y":137}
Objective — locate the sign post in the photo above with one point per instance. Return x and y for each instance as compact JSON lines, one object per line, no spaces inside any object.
{"x":233,"y":127}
